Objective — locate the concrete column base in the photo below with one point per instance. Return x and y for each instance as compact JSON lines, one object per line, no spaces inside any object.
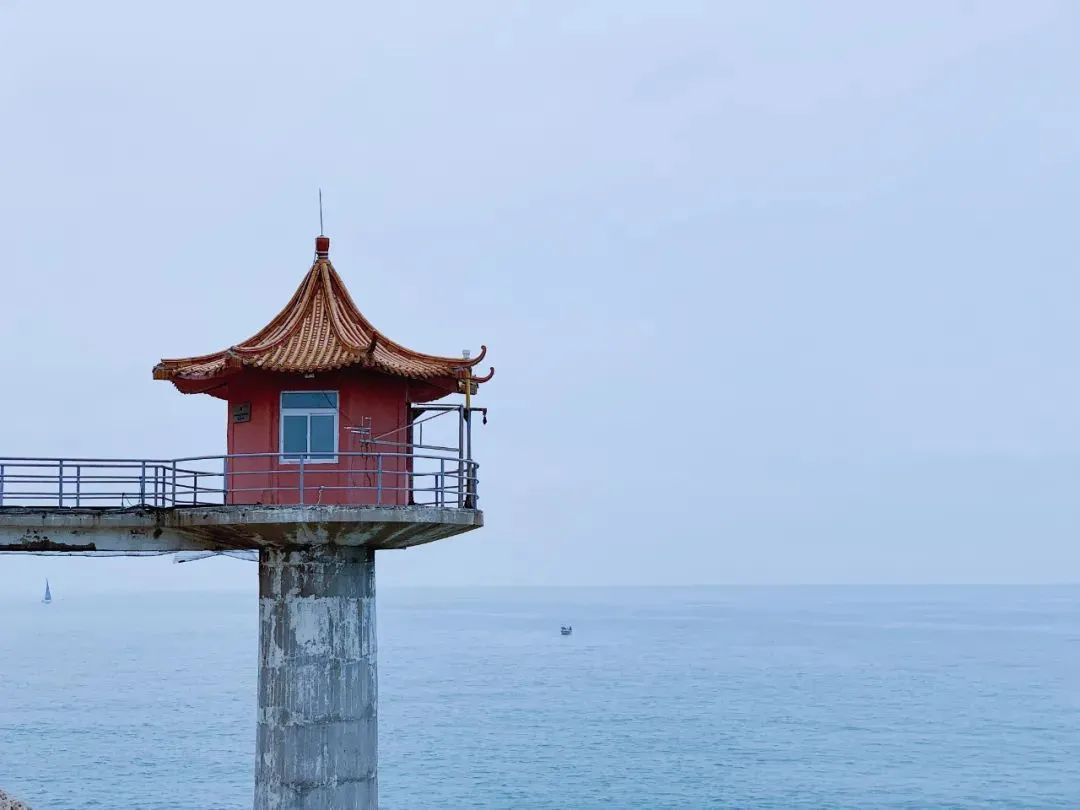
{"x":317,"y":741}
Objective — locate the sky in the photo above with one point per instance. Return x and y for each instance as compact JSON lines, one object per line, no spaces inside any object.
{"x":776,"y":292}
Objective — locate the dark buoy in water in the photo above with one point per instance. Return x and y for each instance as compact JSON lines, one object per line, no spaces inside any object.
{"x":566,"y":630}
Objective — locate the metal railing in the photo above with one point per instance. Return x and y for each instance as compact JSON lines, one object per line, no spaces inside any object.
{"x":420,"y":477}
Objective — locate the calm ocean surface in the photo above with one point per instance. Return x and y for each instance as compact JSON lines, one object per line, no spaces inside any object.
{"x":662,"y":698}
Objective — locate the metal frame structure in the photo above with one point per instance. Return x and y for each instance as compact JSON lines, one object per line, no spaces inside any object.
{"x":464,"y":439}
{"x":210,"y":480}
{"x":433,"y":475}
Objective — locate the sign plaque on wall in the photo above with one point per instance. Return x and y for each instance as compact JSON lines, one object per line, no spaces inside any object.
{"x":241,"y":412}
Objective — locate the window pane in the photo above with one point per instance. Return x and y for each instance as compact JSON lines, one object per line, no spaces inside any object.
{"x":310,"y":399}
{"x":294,"y":436}
{"x":322,"y":436}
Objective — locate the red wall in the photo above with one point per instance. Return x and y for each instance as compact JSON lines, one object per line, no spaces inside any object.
{"x":361,"y":394}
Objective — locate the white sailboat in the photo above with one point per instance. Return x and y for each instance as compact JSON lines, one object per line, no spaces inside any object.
{"x":48,"y":594}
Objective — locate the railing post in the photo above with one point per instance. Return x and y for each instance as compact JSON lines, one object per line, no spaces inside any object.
{"x":440,"y":482}
{"x":173,"y":500}
{"x":470,"y":465}
{"x":1,"y":484}
{"x":78,"y":484}
{"x":301,"y":480}
{"x":461,"y":455}
{"x":61,"y":484}
{"x":378,"y":479}
{"x":194,"y":486}
{"x":142,"y":484}
{"x":468,"y":433}
{"x":224,"y":479}
{"x":410,"y":461}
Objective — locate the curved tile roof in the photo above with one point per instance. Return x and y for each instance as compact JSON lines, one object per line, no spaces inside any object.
{"x":320,"y":329}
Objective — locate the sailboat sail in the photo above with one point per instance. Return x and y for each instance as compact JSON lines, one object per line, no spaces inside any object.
{"x":48,"y":593}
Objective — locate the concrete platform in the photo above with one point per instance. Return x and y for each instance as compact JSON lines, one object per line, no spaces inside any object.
{"x":217,"y":528}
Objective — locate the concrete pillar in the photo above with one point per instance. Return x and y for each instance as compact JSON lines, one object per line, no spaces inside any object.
{"x":316,"y":746}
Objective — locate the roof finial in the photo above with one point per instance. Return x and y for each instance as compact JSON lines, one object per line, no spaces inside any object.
{"x":322,"y":242}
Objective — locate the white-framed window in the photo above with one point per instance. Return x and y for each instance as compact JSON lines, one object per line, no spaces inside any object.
{"x":309,"y":427}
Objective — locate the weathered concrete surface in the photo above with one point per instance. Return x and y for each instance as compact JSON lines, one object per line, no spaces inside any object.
{"x":317,"y":740}
{"x":8,"y":803}
{"x":217,"y":528}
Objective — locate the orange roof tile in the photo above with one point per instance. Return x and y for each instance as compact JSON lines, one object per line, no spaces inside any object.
{"x":320,"y":329}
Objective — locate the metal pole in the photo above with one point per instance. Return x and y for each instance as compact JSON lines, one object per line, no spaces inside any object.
{"x":378,"y":479}
{"x":410,"y":462}
{"x":301,"y":480}
{"x":470,"y":485}
{"x":142,"y":484}
{"x":174,"y":483}
{"x":1,"y":484}
{"x":194,"y":486}
{"x":61,"y":483}
{"x":461,"y":456}
{"x":224,"y":479}
{"x":78,"y":484}
{"x":468,"y":434}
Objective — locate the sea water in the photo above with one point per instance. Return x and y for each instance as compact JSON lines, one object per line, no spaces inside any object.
{"x":662,"y":698}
